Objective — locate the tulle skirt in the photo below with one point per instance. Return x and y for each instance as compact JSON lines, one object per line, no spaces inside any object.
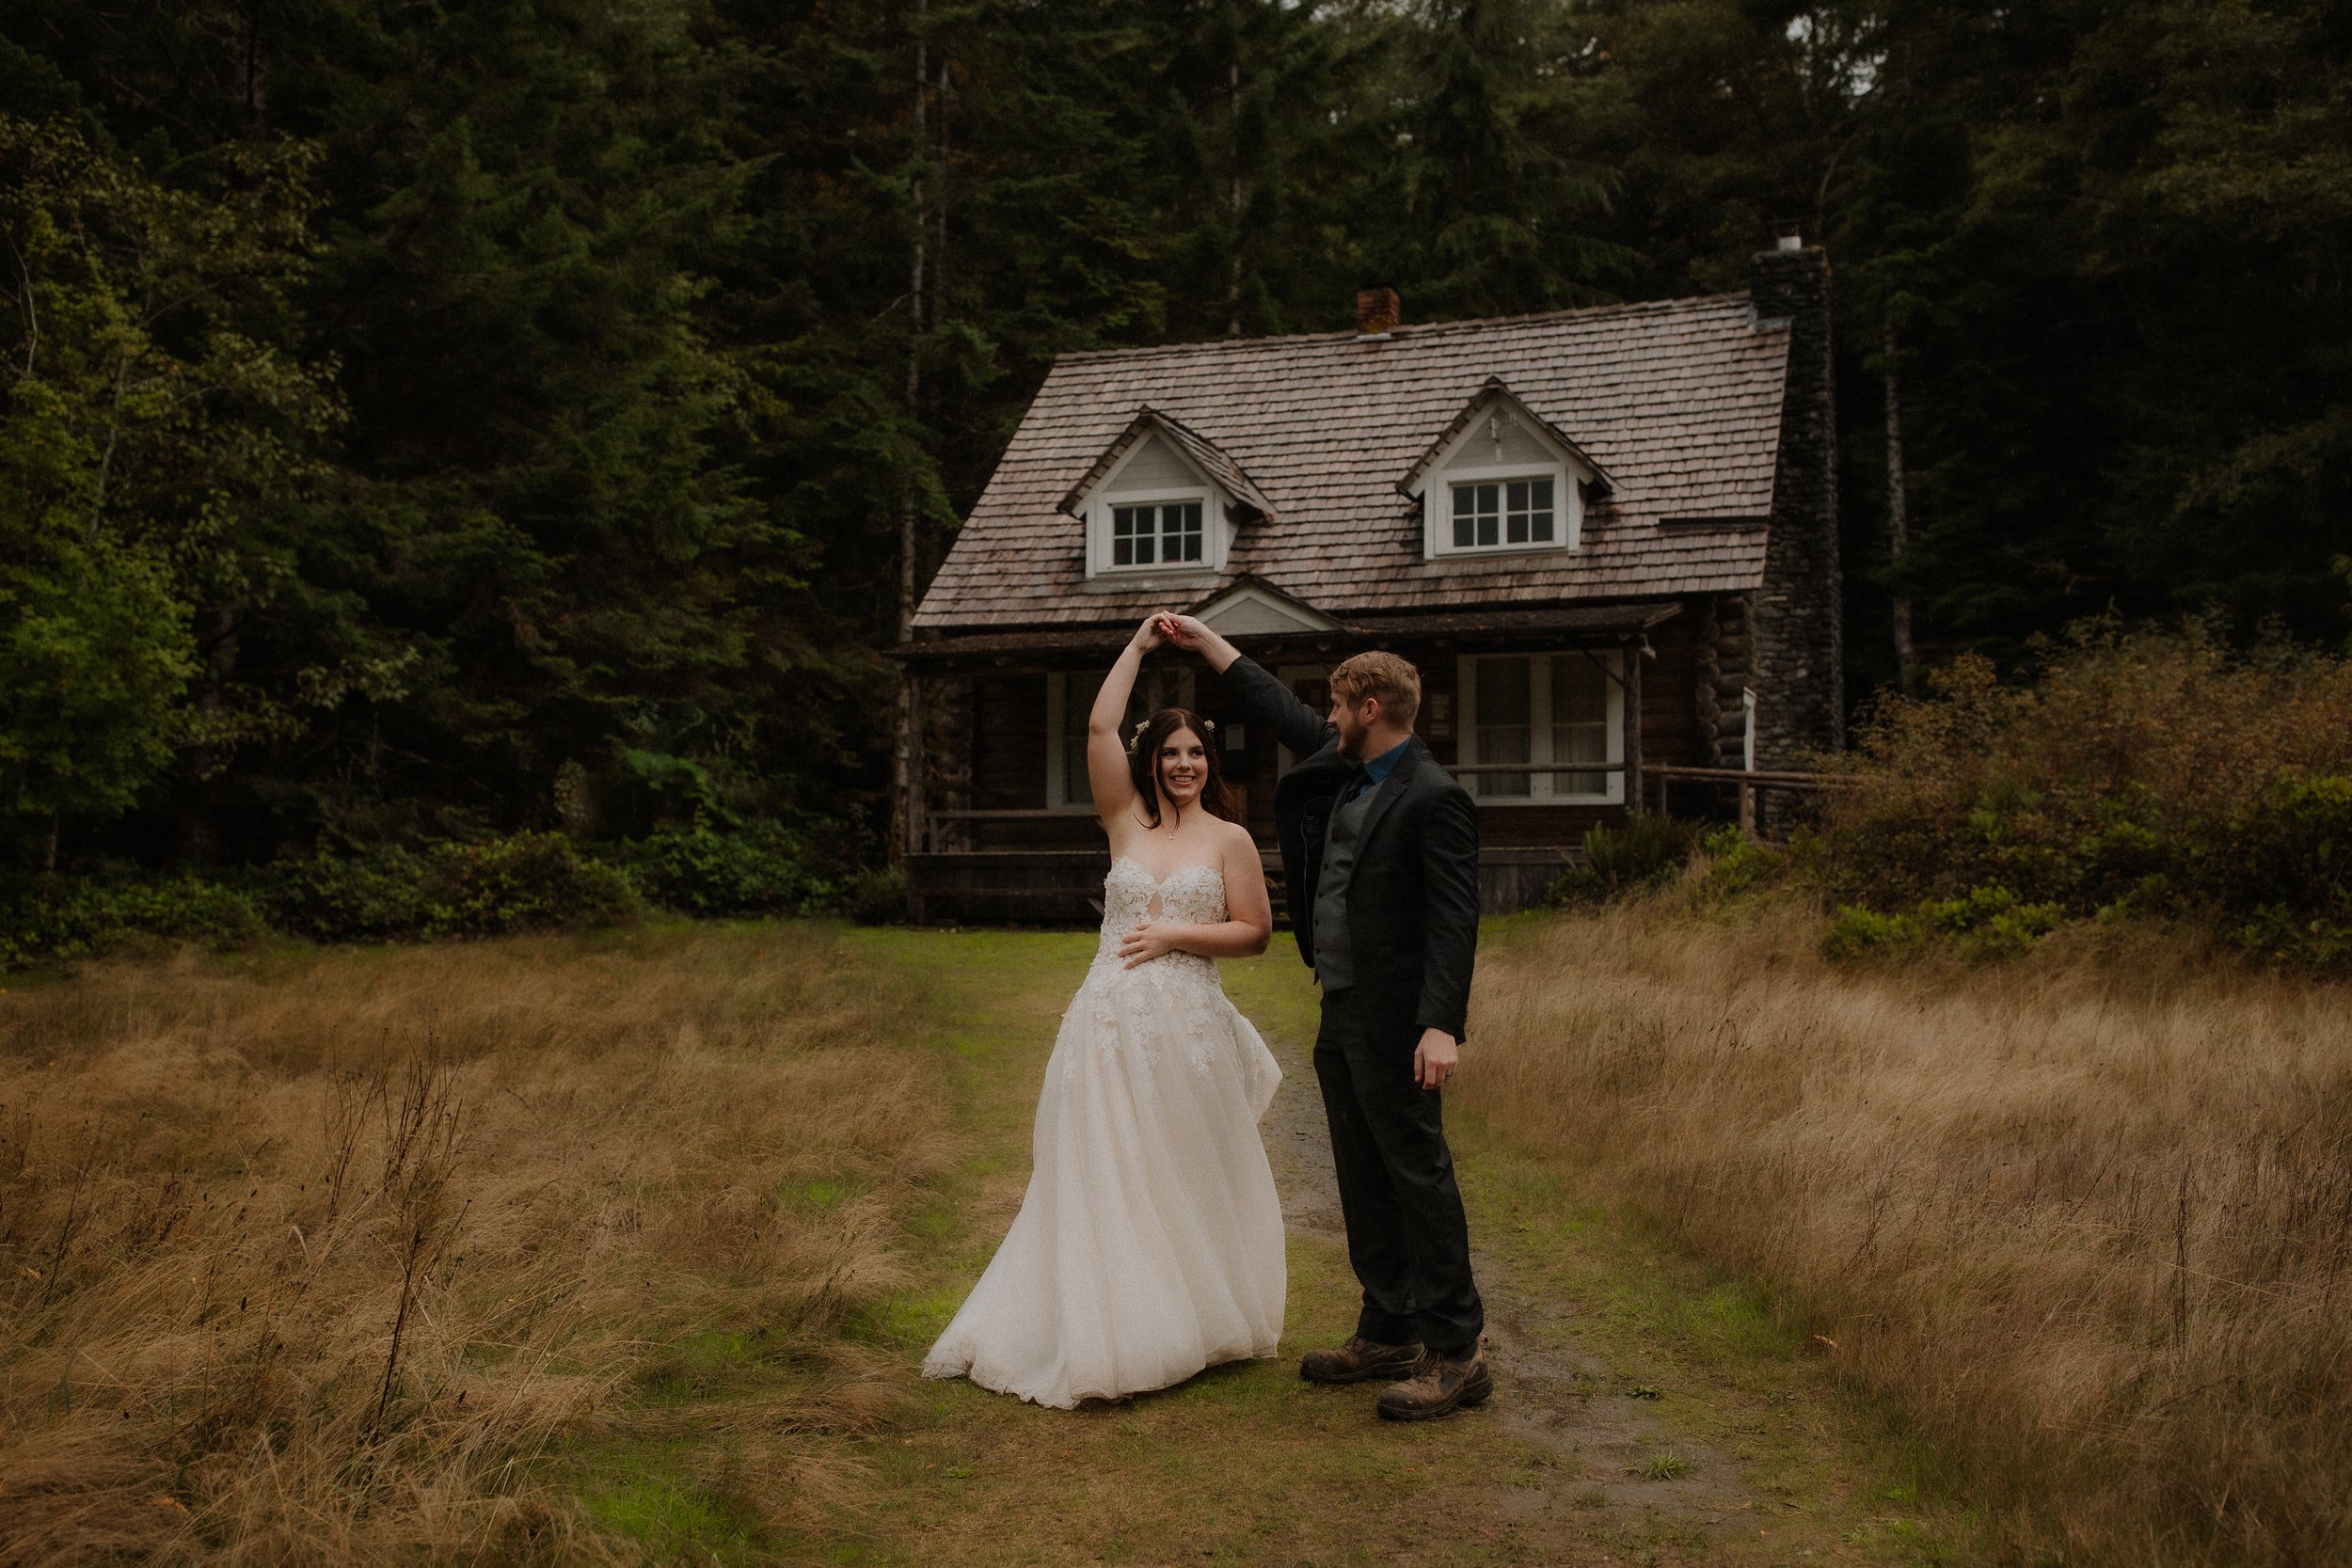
{"x":1149,"y":1244}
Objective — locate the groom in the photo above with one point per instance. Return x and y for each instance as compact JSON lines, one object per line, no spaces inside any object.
{"x":1380,"y":854}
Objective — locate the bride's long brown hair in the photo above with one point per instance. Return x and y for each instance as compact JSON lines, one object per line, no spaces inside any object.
{"x":1143,"y":764}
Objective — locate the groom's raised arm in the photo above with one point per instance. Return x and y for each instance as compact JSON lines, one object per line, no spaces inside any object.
{"x":1267,"y":701}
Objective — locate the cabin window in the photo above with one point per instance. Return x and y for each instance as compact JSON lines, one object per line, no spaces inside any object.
{"x":1545,"y":710}
{"x":1164,"y":533}
{"x":1499,"y":511}
{"x":1069,"y":700}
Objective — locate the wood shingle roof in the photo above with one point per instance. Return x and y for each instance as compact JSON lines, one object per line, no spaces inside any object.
{"x":1678,"y":401}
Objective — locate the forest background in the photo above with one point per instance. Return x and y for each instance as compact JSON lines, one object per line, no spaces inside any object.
{"x":428,"y":422}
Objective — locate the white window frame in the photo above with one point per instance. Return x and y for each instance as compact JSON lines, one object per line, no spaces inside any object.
{"x":1215,"y":512}
{"x":1541,"y":790}
{"x":1057,"y":732}
{"x":1438,"y":510}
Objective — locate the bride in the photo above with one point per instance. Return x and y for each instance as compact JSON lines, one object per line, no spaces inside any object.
{"x":1149,"y":1244}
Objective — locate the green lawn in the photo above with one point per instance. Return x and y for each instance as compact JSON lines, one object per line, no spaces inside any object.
{"x":1666,"y":1416}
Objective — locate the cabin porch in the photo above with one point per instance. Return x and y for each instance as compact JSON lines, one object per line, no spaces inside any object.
{"x":1549,"y":716}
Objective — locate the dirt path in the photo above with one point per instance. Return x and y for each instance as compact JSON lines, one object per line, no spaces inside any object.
{"x":1555,"y":1397}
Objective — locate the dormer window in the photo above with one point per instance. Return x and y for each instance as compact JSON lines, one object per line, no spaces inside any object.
{"x":1494,"y":512}
{"x":1156,"y":533}
{"x":1162,"y":498}
{"x":1499,"y":479}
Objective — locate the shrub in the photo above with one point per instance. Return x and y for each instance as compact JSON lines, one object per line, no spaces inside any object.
{"x":1989,"y":921}
{"x":876,"y":896}
{"x":765,"y":869}
{"x":1856,"y":932}
{"x":1738,"y":866}
{"x":365,"y":897}
{"x":530,"y":882}
{"x":1646,"y":852}
{"x":2156,"y":774}
{"x":52,"y":918}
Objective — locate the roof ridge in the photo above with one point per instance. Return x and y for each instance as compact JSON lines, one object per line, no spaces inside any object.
{"x":1419,"y":329}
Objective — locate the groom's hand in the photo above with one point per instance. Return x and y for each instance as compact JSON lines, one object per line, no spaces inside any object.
{"x":1190,"y":634}
{"x":1434,"y":1058}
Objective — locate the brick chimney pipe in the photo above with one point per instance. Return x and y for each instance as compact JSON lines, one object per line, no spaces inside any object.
{"x":1377,"y":312}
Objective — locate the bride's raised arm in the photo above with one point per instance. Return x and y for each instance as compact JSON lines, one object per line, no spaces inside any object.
{"x":1106,"y":748}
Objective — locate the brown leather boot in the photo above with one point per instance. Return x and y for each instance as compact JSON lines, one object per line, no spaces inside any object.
{"x":1437,"y":1387}
{"x":1360,"y":1360}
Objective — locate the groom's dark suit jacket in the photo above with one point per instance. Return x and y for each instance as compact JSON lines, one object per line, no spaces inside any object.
{"x":1412,"y":903}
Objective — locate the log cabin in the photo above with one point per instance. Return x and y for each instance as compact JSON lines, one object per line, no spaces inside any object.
{"x":1605,"y":537}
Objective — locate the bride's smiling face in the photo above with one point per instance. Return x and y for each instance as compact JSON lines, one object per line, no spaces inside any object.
{"x":1183,"y":767}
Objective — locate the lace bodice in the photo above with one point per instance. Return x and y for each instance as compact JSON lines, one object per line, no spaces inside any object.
{"x":1192,"y":894}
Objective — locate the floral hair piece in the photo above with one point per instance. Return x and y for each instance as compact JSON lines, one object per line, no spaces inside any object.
{"x":1142,"y":724}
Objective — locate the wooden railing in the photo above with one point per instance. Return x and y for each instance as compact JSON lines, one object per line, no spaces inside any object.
{"x":1749,"y":780}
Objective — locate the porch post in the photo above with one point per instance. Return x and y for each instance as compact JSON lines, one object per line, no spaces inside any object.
{"x":918,"y":797}
{"x":1633,"y":728}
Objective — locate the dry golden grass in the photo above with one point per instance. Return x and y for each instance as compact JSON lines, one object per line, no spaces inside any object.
{"x":2088,"y":1217}
{"x":316,"y":1259}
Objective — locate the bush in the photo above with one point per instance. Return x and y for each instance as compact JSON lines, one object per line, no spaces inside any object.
{"x":876,"y":896}
{"x":1645,"y":853}
{"x":1989,"y":921}
{"x":526,"y":883}
{"x":53,"y":917}
{"x":366,"y":898}
{"x":766,"y":869}
{"x":1738,"y":866}
{"x":532,"y":881}
{"x":2149,"y":775}
{"x":1856,"y":932}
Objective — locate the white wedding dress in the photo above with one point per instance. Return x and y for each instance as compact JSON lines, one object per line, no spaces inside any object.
{"x":1149,"y":1244}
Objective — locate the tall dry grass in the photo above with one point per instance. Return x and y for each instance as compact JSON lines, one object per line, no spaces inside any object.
{"x":2088,"y":1217}
{"x":320,"y":1258}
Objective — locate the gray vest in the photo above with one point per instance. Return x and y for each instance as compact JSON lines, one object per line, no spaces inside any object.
{"x":1335,"y":954}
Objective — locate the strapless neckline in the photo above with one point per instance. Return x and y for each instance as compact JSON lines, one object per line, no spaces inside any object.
{"x":1162,"y":882}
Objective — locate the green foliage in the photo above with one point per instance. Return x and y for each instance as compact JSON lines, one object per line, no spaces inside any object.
{"x":61,"y":917}
{"x":145,"y":421}
{"x":1856,"y":932}
{"x":766,"y":869}
{"x":877,"y":897}
{"x":1738,"y":866}
{"x":2157,"y":775}
{"x":530,"y":882}
{"x":424,"y":422}
{"x":1645,"y":853}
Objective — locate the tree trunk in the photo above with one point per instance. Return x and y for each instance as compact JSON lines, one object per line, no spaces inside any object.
{"x":906,"y":809}
{"x":1898,"y":511}
{"x":1232,"y":143}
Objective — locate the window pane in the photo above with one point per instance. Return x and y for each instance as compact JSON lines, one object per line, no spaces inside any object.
{"x":1503,"y":723}
{"x":1465,"y":516}
{"x":1122,"y":535}
{"x":1580,"y":722}
{"x":1489,"y":519}
{"x":1539,"y":510}
{"x":1181,"y":531}
{"x":1143,"y":534}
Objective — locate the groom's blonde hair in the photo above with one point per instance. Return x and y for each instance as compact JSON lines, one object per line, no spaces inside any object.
{"x":1383,"y":675}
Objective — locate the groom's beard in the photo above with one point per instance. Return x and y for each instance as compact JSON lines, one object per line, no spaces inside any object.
{"x":1351,"y":734}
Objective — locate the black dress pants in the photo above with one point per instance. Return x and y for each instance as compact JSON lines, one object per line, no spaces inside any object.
{"x":1407,"y":1236}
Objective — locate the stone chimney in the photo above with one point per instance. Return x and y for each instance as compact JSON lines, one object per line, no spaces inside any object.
{"x":1799,"y":620}
{"x":1377,"y":312}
